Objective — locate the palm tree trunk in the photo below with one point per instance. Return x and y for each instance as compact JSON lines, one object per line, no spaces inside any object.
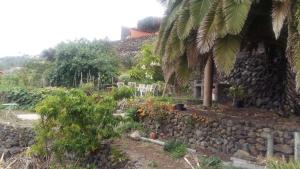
{"x":208,"y":83}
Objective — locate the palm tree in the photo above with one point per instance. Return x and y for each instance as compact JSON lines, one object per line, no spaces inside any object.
{"x":194,"y":31}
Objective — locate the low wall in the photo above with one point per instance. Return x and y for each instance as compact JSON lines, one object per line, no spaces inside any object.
{"x":226,"y":134}
{"x":14,"y":139}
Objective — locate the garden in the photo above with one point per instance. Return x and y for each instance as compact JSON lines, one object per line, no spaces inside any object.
{"x":176,"y":103}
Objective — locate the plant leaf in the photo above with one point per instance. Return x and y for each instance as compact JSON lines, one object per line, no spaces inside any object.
{"x":236,"y":13}
{"x":207,"y":33}
{"x":198,"y":9}
{"x":225,"y":52}
{"x":184,"y":24}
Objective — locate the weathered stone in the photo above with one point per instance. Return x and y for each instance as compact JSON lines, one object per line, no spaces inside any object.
{"x":283,"y":148}
{"x":243,"y":155}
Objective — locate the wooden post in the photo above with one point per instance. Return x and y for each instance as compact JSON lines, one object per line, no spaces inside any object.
{"x":270,"y":145}
{"x":208,"y":83}
{"x":297,"y":146}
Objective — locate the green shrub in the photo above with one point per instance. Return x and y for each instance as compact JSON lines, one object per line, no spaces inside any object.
{"x":132,"y":113}
{"x":72,"y":122}
{"x":175,"y":148}
{"x":122,"y":93}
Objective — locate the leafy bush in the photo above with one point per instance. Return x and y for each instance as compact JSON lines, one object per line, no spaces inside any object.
{"x":122,"y":93}
{"x":73,"y":123}
{"x":26,"y":98}
{"x":148,"y":66}
{"x":175,"y":148}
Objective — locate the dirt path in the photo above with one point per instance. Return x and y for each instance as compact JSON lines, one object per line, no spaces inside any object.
{"x":148,"y":156}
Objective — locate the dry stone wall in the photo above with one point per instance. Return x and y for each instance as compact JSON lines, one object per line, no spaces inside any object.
{"x":262,"y":78}
{"x":15,"y":139}
{"x":227,"y":135}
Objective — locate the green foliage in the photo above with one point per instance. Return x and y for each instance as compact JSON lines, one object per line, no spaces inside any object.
{"x":35,"y":73}
{"x":129,"y":125}
{"x":84,"y":61}
{"x":280,"y":164}
{"x":26,"y":98}
{"x":117,"y":156}
{"x":72,"y":122}
{"x":122,"y":93}
{"x":148,"y":67}
{"x":132,"y":113}
{"x":88,"y":88}
{"x":210,"y":163}
{"x":175,"y":148}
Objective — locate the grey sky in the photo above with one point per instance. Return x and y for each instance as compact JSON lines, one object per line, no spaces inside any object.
{"x":29,"y":26}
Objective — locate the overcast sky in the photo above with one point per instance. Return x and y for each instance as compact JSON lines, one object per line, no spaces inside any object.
{"x":29,"y":26}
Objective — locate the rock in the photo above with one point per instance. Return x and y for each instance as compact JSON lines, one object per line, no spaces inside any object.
{"x":135,"y":135}
{"x":243,"y":155}
{"x":283,"y":148}
{"x":198,"y":133}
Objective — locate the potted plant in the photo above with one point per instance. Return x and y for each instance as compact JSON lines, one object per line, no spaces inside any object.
{"x":238,"y":94}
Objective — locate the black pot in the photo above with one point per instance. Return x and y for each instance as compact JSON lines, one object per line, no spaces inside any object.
{"x":180,"y":107}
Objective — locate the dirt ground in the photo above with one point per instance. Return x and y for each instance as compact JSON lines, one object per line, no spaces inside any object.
{"x":148,"y":156}
{"x":10,"y":118}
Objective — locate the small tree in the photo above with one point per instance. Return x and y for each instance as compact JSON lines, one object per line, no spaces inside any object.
{"x":83,"y":61}
{"x":148,"y":66}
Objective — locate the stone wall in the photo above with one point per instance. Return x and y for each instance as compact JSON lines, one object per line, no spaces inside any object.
{"x":262,"y":77}
{"x":14,"y":139}
{"x":227,"y":134}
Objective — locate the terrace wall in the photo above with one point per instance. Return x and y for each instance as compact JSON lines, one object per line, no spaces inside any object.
{"x":227,"y":134}
{"x":15,"y":139}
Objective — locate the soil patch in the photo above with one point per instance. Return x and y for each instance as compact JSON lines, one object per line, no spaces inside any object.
{"x":148,"y":156}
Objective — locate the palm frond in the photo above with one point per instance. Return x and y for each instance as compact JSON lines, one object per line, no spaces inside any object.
{"x":279,"y":14}
{"x":225,"y":52}
{"x":162,"y":40}
{"x":174,"y":46}
{"x":182,"y":71}
{"x":207,"y":33}
{"x":236,"y":13}
{"x":198,"y":9}
{"x":184,"y":24}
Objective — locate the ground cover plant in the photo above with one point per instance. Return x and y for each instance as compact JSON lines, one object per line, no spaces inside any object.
{"x":175,"y":148}
{"x":282,"y":164}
